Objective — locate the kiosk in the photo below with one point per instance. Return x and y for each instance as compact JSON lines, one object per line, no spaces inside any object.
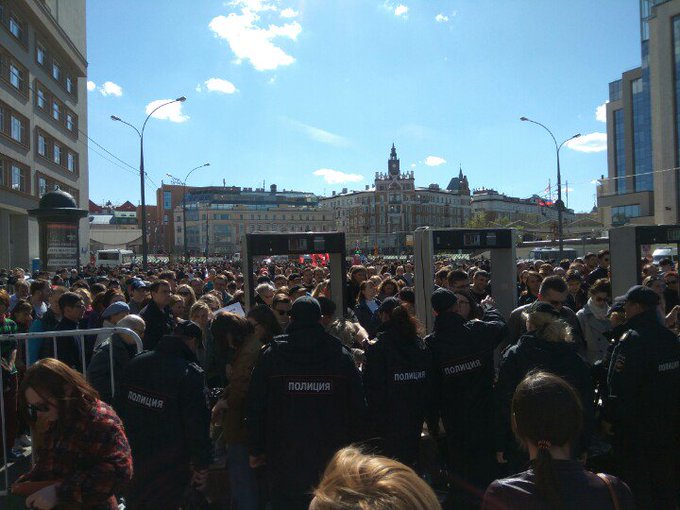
{"x":500,"y":242}
{"x":625,"y":251}
{"x":267,"y":244}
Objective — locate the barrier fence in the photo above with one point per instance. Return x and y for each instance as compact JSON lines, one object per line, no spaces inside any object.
{"x":76,"y":333}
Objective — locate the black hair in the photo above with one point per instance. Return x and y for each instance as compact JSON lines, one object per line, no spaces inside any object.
{"x":265,"y":317}
{"x":554,"y":282}
{"x":328,"y":307}
{"x":407,"y":295}
{"x":69,"y":299}
{"x":405,"y":324}
{"x":546,"y":412}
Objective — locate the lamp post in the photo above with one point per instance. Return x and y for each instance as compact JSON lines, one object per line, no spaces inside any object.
{"x":175,"y":180}
{"x":145,"y":248}
{"x":560,"y":204}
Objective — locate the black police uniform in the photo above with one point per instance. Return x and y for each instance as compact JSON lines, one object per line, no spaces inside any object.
{"x":398,"y":384}
{"x":305,"y":401}
{"x":167,"y":421}
{"x":559,"y":358}
{"x":158,"y":324}
{"x":644,"y":409}
{"x":464,"y":373}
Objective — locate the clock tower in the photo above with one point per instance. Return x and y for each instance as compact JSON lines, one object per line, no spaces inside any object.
{"x":393,"y":163}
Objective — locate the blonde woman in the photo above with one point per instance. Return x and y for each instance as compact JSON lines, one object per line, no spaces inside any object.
{"x":354,"y":480}
{"x":548,"y":345}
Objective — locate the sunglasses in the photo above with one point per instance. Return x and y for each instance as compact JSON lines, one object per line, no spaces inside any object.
{"x":34,"y":409}
{"x":283,"y":312}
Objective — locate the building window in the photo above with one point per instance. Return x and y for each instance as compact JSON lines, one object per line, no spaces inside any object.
{"x":621,"y":214}
{"x":56,"y":71}
{"x":71,"y":162}
{"x":17,"y":129}
{"x":619,"y":152}
{"x":167,"y":200}
{"x":57,"y":154}
{"x":42,"y":186}
{"x":15,"y":28}
{"x":55,"y":110}
{"x":18,"y":178}
{"x":42,"y":145}
{"x":69,"y":122}
{"x":69,"y":85}
{"x":15,"y":77}
{"x":41,"y":99}
{"x":40,"y":54}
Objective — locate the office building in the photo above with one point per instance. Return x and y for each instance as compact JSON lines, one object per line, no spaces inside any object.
{"x":43,"y":118}
{"x":643,"y":120}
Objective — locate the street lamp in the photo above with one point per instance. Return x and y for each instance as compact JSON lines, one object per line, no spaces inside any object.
{"x":145,"y":248}
{"x":560,"y":204}
{"x":175,"y":180}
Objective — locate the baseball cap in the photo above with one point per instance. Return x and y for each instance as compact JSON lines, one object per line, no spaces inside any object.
{"x":138,"y":284}
{"x":641,"y":295}
{"x":188,"y":329}
{"x":114,"y":308}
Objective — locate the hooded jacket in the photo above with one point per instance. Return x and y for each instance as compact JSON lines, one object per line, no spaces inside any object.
{"x":165,"y":411}
{"x":593,"y":330}
{"x":398,"y":383}
{"x":559,"y":358}
{"x":463,"y":353}
{"x":305,"y":402}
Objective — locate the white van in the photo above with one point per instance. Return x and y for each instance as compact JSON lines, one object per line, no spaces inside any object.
{"x":114,"y":258}
{"x":666,"y":252}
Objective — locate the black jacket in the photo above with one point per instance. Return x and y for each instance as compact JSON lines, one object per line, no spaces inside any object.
{"x":99,"y":369}
{"x":368,"y":319}
{"x":68,"y":347}
{"x":158,"y":324}
{"x":463,"y":357}
{"x":167,"y":420}
{"x":644,"y":385}
{"x":559,"y":358}
{"x":398,"y":384}
{"x":305,"y":401}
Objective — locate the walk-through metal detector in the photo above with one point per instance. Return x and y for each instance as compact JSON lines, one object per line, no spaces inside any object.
{"x":257,"y":246}
{"x":626,"y":251}
{"x":500,"y":242}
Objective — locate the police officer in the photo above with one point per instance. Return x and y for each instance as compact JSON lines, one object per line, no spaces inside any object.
{"x":397,"y":379}
{"x":464,"y":373}
{"x":305,"y":401}
{"x":167,"y":420}
{"x":644,"y":402}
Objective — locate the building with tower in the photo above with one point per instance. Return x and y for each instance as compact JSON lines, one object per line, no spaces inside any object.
{"x":382,"y":218}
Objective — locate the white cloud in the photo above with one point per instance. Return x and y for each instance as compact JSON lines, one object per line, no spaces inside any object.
{"x":590,"y":143}
{"x":289,"y":13}
{"x":434,"y":161}
{"x":254,"y":5}
{"x":272,"y":80}
{"x":198,"y":88}
{"x":320,"y":135}
{"x":413,"y":165}
{"x":601,"y":112}
{"x":109,"y":88}
{"x":441,"y":18}
{"x":91,"y":86}
{"x":171,"y":112}
{"x":220,"y":85}
{"x":401,"y":10}
{"x":336,"y":176}
{"x":249,"y":41}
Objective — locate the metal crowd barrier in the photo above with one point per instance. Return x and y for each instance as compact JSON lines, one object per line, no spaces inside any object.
{"x":77,"y":333}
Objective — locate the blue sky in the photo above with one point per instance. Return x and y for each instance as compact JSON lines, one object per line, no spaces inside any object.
{"x":310,"y":94}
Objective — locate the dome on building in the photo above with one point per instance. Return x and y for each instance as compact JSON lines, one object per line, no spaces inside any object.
{"x":57,"y":199}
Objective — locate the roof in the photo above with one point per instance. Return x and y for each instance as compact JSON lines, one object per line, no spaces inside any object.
{"x":101,"y":219}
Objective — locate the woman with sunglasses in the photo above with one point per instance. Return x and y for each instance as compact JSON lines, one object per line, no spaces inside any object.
{"x":594,"y":321}
{"x":83,"y":457}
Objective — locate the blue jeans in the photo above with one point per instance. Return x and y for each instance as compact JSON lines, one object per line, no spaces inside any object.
{"x":241,"y":478}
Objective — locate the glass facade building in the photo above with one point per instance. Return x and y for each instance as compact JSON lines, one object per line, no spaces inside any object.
{"x":620,"y":151}
{"x":642,"y":134}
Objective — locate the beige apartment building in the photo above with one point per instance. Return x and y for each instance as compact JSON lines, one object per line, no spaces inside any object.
{"x":642,"y":185}
{"x":43,"y":117}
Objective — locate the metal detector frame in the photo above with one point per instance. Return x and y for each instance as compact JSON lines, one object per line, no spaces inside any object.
{"x":266,"y":244}
{"x":625,"y":253}
{"x":501,"y":243}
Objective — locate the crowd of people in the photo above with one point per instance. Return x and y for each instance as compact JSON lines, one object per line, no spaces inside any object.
{"x":304,"y":402}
